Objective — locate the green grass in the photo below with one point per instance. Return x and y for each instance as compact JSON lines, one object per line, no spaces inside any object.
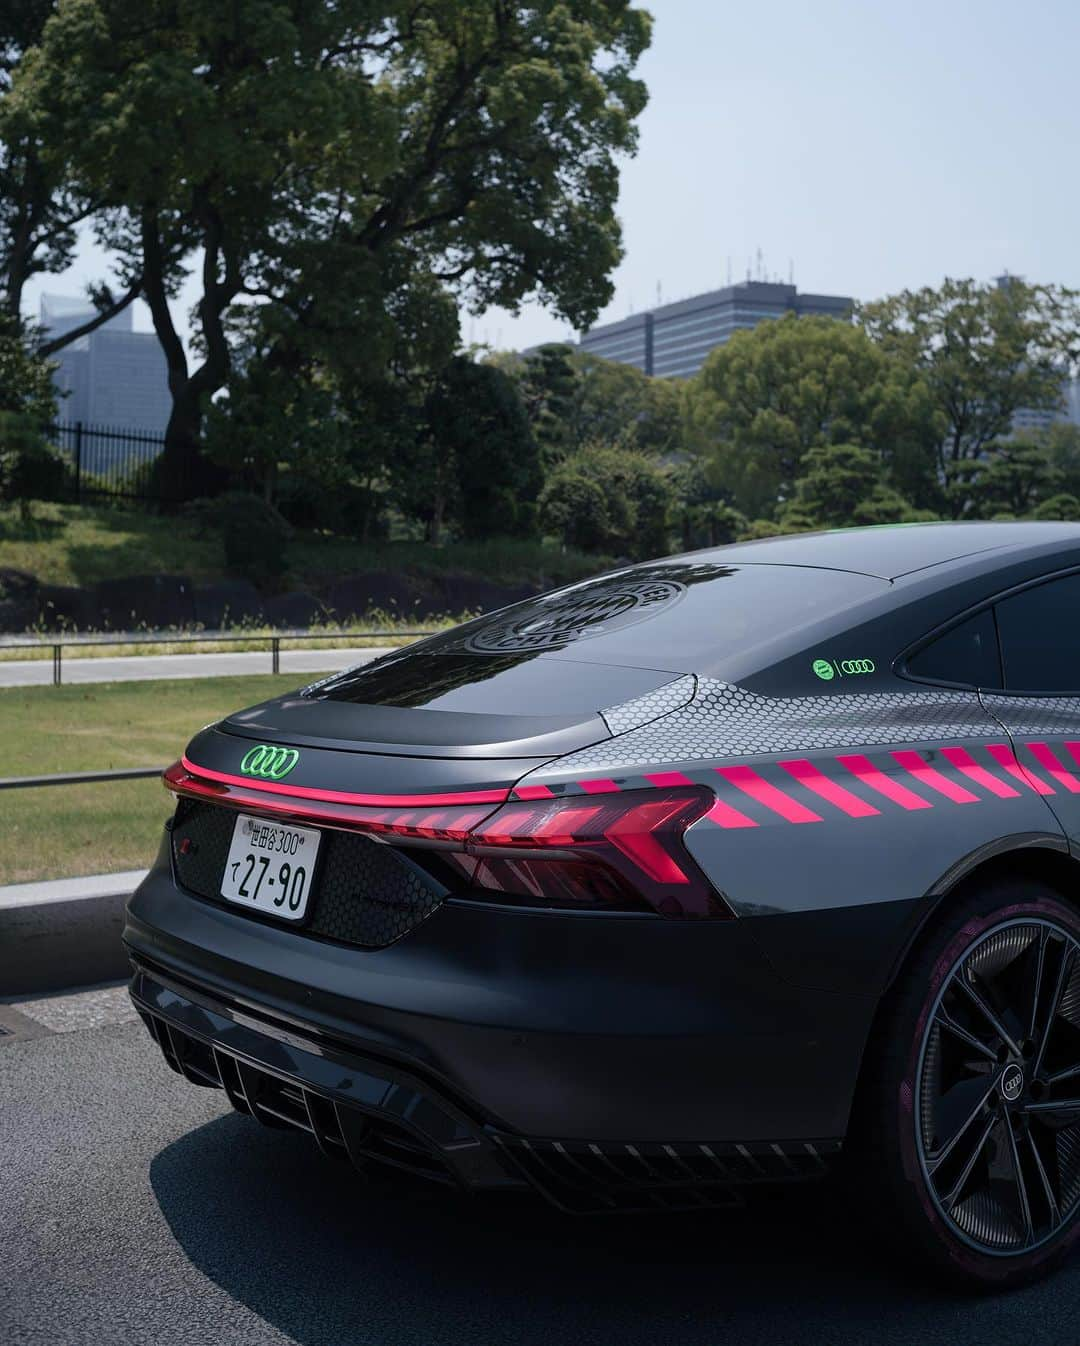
{"x":391,"y":630}
{"x":82,"y":544}
{"x":61,"y":830}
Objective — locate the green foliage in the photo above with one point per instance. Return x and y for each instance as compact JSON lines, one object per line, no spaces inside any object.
{"x":984,"y":352}
{"x":574,"y":399}
{"x":610,"y":498}
{"x":771,"y":394}
{"x":480,"y":435}
{"x":29,"y":467}
{"x":705,"y":517}
{"x":1062,"y":443}
{"x":547,"y":382}
{"x":1012,"y":477}
{"x":1064,"y":505}
{"x":843,"y":484}
{"x":360,"y":168}
{"x":254,"y":534}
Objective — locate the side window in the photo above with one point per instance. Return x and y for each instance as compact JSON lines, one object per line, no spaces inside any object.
{"x":968,"y":654}
{"x":1040,"y":637}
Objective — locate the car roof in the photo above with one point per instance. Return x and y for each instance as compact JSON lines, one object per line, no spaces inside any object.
{"x":891,"y":550}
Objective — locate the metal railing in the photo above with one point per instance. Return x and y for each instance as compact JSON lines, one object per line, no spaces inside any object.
{"x":57,"y":644}
{"x":108,"y":461}
{"x":80,"y":777}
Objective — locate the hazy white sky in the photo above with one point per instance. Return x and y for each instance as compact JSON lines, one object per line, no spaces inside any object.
{"x":875,"y":145}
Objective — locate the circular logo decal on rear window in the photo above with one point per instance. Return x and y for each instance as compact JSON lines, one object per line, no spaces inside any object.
{"x":592,"y":610}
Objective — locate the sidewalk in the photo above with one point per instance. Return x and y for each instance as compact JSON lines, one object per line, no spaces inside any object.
{"x":137,"y":667}
{"x":63,"y":932}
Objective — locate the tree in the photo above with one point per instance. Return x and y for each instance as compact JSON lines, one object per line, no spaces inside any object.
{"x":41,"y":205}
{"x":1062,"y":443}
{"x":27,"y":405}
{"x":1060,"y":506}
{"x":341,"y":159}
{"x":984,"y":352}
{"x":485,"y":466}
{"x":574,"y":398}
{"x":608,"y":499}
{"x":547,"y":382}
{"x":1012,"y":477}
{"x":706,"y":518}
{"x":614,"y":403}
{"x":768,"y":396}
{"x":843,"y":485}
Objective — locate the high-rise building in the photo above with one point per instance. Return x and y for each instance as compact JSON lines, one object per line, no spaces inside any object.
{"x":113,"y":377}
{"x":674,"y":339}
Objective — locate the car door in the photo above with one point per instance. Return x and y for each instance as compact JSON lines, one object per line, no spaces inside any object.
{"x":1039,"y":703}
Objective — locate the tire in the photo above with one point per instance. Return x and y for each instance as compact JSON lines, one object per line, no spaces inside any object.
{"x":961,"y":1141}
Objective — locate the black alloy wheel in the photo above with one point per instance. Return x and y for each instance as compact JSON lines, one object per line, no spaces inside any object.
{"x":997,"y":1097}
{"x":968,"y":1119}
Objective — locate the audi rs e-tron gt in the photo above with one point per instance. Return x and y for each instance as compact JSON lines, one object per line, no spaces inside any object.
{"x":720,"y":870}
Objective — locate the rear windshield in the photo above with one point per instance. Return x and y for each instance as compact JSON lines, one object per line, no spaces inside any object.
{"x":678,"y":616}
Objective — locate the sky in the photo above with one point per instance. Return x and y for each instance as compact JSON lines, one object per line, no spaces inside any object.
{"x":865,"y":146}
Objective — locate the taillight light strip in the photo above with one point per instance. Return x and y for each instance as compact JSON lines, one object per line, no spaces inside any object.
{"x":347,"y":796}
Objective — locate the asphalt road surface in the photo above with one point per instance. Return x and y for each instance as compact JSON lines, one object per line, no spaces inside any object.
{"x":135,"y":1208}
{"x":137,"y":667}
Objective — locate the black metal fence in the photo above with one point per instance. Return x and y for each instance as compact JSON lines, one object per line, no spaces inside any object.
{"x":106,"y":462}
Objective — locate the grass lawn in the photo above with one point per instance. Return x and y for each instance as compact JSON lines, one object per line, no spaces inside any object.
{"x":62,"y":830}
{"x":81,"y":544}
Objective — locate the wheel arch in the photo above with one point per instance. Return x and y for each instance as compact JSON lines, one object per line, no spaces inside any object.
{"x":1045,"y":856}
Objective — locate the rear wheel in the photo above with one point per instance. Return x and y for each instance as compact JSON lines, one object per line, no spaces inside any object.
{"x":968,"y":1123}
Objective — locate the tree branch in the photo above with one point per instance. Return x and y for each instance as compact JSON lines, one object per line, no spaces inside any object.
{"x":118,"y":306}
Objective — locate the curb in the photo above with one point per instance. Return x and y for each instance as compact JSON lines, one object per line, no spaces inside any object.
{"x":64,"y":932}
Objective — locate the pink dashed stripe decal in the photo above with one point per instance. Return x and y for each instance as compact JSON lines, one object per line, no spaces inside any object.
{"x":1051,"y":763}
{"x":876,"y":779}
{"x":826,"y":782}
{"x":757,"y":787}
{"x":725,"y":816}
{"x":1003,"y":754}
{"x":933,"y":779}
{"x":824,"y":786}
{"x":965,"y":763}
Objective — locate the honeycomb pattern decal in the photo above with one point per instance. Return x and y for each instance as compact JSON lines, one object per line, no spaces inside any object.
{"x":365,"y":894}
{"x":1035,"y":714}
{"x":724,"y":720}
{"x":644,"y":709}
{"x":368,"y":894}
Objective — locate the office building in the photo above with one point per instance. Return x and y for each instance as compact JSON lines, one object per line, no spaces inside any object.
{"x":114,"y":376}
{"x":673,"y":340}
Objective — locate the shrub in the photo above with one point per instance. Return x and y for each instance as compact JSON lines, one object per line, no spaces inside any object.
{"x":254,"y":534}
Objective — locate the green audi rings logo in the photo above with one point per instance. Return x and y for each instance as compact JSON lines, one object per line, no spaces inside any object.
{"x":827,"y":669}
{"x":269,"y":760}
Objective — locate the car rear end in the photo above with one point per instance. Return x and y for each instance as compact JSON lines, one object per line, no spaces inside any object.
{"x":364,"y":921}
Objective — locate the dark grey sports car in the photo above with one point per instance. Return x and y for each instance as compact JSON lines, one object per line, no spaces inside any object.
{"x":722,"y":870}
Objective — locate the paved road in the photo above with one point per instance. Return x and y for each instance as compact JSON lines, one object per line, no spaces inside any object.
{"x":136,"y":1209}
{"x":129,"y":668}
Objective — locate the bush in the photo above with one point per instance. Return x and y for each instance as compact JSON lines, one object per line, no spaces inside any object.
{"x":254,"y":534}
{"x":611,"y":499}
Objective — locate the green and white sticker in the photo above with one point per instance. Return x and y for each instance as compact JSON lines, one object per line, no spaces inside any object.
{"x":827,"y":669}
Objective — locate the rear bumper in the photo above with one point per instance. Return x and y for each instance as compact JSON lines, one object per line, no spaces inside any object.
{"x":578,"y":1054}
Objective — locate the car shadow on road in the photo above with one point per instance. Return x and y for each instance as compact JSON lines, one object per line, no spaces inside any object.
{"x":329,"y":1258}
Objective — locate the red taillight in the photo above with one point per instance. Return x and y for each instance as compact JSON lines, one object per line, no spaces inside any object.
{"x":612,"y":850}
{"x":622,"y":850}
